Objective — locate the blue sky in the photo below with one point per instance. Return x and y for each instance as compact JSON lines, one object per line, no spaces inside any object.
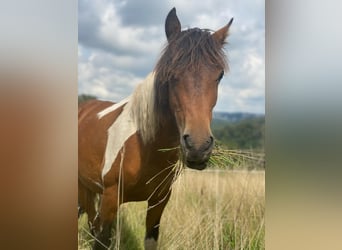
{"x":120,"y":42}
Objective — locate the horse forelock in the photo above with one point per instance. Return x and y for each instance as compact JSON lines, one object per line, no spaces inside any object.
{"x":188,"y":51}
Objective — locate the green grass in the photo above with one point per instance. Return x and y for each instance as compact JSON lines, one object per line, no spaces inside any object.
{"x":207,"y":210}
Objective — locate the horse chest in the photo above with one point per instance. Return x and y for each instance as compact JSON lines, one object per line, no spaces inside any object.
{"x":151,"y":187}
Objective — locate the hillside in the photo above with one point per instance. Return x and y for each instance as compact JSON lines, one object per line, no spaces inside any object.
{"x":239,"y":130}
{"x":234,"y":117}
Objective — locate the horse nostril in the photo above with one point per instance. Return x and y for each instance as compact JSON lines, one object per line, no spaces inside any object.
{"x":209,"y":142}
{"x":187,"y":141}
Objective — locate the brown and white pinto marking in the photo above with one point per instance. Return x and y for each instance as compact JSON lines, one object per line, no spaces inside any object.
{"x":119,"y":144}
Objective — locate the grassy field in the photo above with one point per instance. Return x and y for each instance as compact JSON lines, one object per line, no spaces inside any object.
{"x":207,"y":210}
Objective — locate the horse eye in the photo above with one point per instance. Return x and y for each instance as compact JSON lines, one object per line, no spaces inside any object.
{"x":220,"y":77}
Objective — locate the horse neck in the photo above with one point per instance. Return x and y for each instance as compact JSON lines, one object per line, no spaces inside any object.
{"x":155,"y":120}
{"x":167,"y":135}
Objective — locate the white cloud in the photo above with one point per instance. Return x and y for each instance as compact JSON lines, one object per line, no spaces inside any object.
{"x":99,"y":77}
{"x":126,"y":38}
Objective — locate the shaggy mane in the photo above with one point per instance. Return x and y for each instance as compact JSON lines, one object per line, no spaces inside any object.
{"x":142,"y":109}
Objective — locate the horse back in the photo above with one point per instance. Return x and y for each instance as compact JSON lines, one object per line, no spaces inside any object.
{"x":92,"y":139}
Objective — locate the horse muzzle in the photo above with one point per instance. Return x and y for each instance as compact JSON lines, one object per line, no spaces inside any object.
{"x":196,"y":154}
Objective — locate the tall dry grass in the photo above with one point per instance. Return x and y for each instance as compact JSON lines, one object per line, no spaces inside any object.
{"x":207,"y":210}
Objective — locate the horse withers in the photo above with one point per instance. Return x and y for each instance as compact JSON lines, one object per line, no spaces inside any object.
{"x":120,"y":144}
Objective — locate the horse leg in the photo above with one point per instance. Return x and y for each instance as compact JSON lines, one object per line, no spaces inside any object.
{"x":86,"y":203}
{"x":107,"y":213}
{"x":82,"y":201}
{"x":154,"y":213}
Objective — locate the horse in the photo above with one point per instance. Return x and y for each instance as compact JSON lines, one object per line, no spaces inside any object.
{"x":120,"y":144}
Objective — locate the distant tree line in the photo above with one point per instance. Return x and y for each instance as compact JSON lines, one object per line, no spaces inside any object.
{"x":245,"y":134}
{"x":83,"y":98}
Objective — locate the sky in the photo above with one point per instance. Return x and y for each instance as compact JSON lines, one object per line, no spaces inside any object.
{"x":119,"y":43}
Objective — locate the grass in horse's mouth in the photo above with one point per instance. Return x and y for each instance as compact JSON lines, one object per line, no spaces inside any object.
{"x":222,"y":158}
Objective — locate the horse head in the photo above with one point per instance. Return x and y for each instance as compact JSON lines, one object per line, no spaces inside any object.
{"x":190,"y":70}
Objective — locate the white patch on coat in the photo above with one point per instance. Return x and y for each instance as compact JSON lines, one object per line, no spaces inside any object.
{"x":118,"y":133}
{"x":137,"y":114}
{"x":112,"y":108}
{"x":150,"y":244}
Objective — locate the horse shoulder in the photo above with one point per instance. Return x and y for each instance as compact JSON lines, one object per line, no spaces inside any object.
{"x":126,"y":167}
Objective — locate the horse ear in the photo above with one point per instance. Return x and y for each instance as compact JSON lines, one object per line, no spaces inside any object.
{"x":221,"y":34}
{"x":172,"y":24}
